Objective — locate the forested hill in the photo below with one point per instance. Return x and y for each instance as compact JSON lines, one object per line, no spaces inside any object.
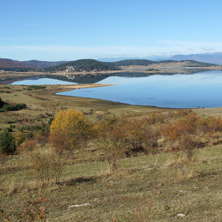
{"x":94,"y":65}
{"x":84,"y":65}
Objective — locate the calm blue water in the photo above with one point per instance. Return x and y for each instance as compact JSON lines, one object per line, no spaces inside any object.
{"x":174,"y":91}
{"x":42,"y":81}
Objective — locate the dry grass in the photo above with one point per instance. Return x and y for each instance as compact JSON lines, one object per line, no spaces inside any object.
{"x":143,"y":189}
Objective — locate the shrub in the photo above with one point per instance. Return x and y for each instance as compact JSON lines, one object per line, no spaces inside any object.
{"x":34,"y":209}
{"x":35,"y":87}
{"x":19,"y":138}
{"x":7,"y":143}
{"x":46,"y":167}
{"x":68,"y":129}
{"x":10,"y":107}
{"x":111,"y":140}
{"x":140,"y":133}
{"x":187,"y":125}
{"x":31,"y":209}
{"x":29,"y":135}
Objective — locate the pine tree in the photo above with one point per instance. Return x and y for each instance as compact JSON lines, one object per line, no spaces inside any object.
{"x":7,"y":143}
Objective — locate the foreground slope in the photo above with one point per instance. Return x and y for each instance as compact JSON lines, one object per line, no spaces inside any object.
{"x":147,"y":187}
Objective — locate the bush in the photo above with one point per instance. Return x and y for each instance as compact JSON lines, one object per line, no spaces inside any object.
{"x":46,"y":167}
{"x":9,"y":107}
{"x":34,"y":87}
{"x":7,"y":143}
{"x":68,"y":130}
{"x":111,"y":140}
{"x":188,"y":125}
{"x":19,"y":138}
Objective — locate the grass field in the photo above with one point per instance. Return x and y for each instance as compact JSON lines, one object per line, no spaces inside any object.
{"x":145,"y":188}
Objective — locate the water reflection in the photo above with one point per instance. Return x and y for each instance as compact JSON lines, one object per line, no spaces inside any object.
{"x":42,"y":81}
{"x":174,"y":91}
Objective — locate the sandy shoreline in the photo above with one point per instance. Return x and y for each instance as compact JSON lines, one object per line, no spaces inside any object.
{"x":81,"y":86}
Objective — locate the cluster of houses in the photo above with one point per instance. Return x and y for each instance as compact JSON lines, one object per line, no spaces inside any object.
{"x":69,"y":69}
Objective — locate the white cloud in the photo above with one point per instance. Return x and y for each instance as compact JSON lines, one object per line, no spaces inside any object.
{"x":65,"y":52}
{"x":197,"y":47}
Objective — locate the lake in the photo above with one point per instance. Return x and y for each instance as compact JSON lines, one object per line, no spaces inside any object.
{"x":174,"y":91}
{"x":42,"y":81}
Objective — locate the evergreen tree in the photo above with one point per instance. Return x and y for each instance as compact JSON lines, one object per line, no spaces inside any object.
{"x":7,"y":143}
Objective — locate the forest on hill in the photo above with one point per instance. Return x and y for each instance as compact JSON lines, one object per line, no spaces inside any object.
{"x":86,"y":65}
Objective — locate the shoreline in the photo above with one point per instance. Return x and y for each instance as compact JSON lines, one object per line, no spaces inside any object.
{"x":93,"y":77}
{"x":82,"y":86}
{"x":64,"y":88}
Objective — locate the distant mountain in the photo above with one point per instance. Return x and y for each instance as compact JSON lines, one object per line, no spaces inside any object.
{"x":116,"y":59}
{"x":8,"y":63}
{"x":43,"y":64}
{"x":84,"y":65}
{"x":14,"y":65}
{"x":128,"y":62}
{"x":215,"y":58}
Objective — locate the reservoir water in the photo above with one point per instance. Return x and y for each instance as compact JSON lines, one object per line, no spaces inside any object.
{"x":174,"y":91}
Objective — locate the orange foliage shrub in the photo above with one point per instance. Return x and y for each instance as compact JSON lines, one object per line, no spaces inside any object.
{"x":187,"y":125}
{"x":210,"y":125}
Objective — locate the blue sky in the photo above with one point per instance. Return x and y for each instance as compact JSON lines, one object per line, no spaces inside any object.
{"x":70,"y":29}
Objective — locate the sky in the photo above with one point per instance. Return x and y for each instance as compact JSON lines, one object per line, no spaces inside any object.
{"x":56,"y":30}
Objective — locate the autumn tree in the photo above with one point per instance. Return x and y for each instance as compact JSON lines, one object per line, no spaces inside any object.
{"x":68,"y":129}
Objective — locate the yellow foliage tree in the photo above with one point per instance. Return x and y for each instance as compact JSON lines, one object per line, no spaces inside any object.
{"x":68,"y":129}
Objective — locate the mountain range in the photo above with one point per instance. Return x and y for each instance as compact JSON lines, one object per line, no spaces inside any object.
{"x":215,"y":58}
{"x":9,"y":64}
{"x":104,"y":64}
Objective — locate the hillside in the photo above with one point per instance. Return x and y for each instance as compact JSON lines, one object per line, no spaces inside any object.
{"x":83,"y":65}
{"x":144,"y":62}
{"x":43,"y":64}
{"x":14,"y":65}
{"x":10,"y":64}
{"x":190,"y":63}
{"x":166,"y":178}
{"x":165,"y":172}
